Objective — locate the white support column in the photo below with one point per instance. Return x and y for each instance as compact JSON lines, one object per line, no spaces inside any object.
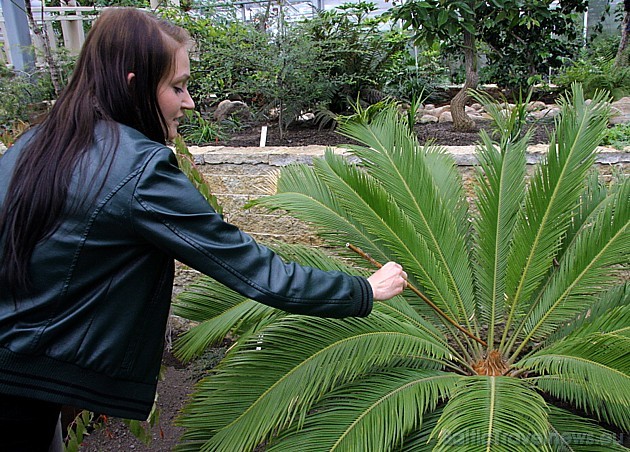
{"x":73,"y":34}
{"x":18,"y":34}
{"x":5,"y":55}
{"x":155,"y":4}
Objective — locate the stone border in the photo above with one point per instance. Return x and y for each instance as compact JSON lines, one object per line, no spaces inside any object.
{"x":284,"y":155}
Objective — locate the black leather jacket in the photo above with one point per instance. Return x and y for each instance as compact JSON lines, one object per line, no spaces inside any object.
{"x":90,"y":332}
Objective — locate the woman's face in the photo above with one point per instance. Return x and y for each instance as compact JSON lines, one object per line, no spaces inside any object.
{"x":172,"y":93}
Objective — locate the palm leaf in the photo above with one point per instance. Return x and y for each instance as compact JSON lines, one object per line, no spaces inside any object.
{"x":262,"y":387}
{"x":609,"y":314}
{"x":420,"y":440}
{"x":358,"y":416}
{"x":234,"y":318}
{"x":554,"y":191}
{"x":386,"y":139}
{"x":593,"y":199}
{"x":302,"y":193}
{"x":492,"y":413}
{"x":499,"y":196}
{"x":221,"y":310}
{"x":393,"y":157}
{"x":384,"y":230}
{"x":585,"y":270}
{"x":572,"y":433}
{"x":186,"y":162}
{"x":582,"y":370}
{"x":394,"y":230}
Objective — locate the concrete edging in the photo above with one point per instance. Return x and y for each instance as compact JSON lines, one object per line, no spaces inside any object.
{"x":284,"y":155}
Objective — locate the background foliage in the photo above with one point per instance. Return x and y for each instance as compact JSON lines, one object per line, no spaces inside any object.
{"x":283,"y":68}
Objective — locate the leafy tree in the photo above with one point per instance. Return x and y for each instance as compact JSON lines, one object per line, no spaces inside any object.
{"x":227,"y":54}
{"x":531,"y":274}
{"x":543,"y":37}
{"x":500,"y":23}
{"x":360,"y":54}
{"x":622,"y":52}
{"x":420,"y":74}
{"x":281,"y":69}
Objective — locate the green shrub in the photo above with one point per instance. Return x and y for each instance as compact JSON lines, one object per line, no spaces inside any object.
{"x":595,"y":70}
{"x":197,"y":130}
{"x":361,"y":57}
{"x":414,"y":76}
{"x":21,"y":95}
{"x":515,"y":337}
{"x":617,"y":136}
{"x":280,"y":71}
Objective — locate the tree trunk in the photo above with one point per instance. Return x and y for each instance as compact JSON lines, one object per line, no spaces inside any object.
{"x":42,"y":34}
{"x":461,"y":120}
{"x":622,"y":54}
{"x":262,"y":25}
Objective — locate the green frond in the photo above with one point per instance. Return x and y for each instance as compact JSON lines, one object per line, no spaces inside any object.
{"x":579,"y":393}
{"x":266,"y":383}
{"x":395,"y":231}
{"x":500,"y":190}
{"x":305,"y":196}
{"x":311,"y":257}
{"x":219,"y":310}
{"x":493,"y":414}
{"x":508,"y":121}
{"x":420,"y":439}
{"x":552,"y":195}
{"x":593,"y":198}
{"x":241,"y":316}
{"x":572,"y":433}
{"x":399,"y":309}
{"x":204,"y":299}
{"x":424,"y":183}
{"x":585,"y":270}
{"x":391,"y":154}
{"x":609,"y":314}
{"x":582,"y":370}
{"x":359,"y":416}
{"x":362,"y":213}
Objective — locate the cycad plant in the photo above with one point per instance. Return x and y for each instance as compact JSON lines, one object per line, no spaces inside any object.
{"x":531,"y":271}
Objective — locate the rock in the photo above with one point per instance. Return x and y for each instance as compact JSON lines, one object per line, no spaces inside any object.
{"x":228,"y":107}
{"x":307,"y":117}
{"x":425,"y":119}
{"x":445,"y":117}
{"x":548,"y":112}
{"x":536,"y":106}
{"x":619,"y":119}
{"x":620,"y":111}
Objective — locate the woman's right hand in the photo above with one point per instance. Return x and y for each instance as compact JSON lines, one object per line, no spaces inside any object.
{"x":388,"y":281}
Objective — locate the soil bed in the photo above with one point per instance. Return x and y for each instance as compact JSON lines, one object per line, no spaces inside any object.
{"x":307,"y":133}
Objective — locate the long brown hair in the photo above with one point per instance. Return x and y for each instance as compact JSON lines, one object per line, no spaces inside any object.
{"x":121,"y":41}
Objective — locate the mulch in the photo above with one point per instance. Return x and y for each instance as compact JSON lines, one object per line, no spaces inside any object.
{"x":307,"y":133}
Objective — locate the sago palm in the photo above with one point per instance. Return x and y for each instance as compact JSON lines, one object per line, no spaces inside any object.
{"x":531,"y":272}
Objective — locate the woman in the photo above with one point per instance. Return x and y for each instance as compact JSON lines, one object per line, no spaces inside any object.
{"x":93,"y":212}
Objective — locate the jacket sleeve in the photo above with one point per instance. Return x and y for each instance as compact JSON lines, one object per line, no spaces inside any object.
{"x":169,"y":212}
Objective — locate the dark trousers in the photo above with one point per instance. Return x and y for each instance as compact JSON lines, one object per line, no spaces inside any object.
{"x":27,"y":425}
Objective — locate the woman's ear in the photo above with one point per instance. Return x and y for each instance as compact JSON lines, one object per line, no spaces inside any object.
{"x":130,"y":77}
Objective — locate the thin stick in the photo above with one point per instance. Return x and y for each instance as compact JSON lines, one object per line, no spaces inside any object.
{"x":424,"y":298}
